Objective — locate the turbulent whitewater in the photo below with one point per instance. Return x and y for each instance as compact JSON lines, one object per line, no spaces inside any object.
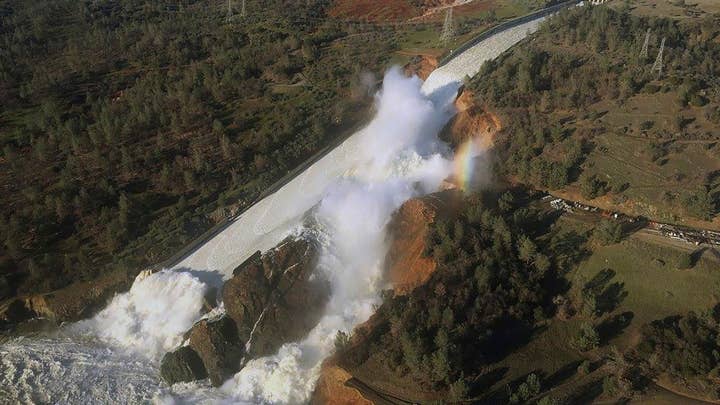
{"x":348,"y":197}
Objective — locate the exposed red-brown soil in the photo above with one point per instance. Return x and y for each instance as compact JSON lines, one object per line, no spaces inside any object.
{"x":421,"y":65}
{"x":331,"y":388}
{"x":407,"y":265}
{"x":373,"y":10}
{"x":394,"y":10}
{"x":436,"y":12}
{"x":472,"y":121}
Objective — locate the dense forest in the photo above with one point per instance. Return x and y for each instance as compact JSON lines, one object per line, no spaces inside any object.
{"x":571,"y":96}
{"x":129,"y":127}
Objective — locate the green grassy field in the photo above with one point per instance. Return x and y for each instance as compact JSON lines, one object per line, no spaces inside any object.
{"x":650,"y":287}
{"x":624,"y":154}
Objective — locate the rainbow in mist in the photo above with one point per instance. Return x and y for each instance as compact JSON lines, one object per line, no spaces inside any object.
{"x":465,"y":163}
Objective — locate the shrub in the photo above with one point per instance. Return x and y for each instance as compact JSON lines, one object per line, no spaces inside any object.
{"x":592,"y":187}
{"x":527,"y":390}
{"x":610,"y":385}
{"x":608,"y":232}
{"x":685,"y":261}
{"x":459,"y":389}
{"x":584,"y":367}
{"x":700,"y":205}
{"x":587,"y":338}
{"x":342,"y":339}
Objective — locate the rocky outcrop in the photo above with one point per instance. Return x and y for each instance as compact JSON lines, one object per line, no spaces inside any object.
{"x":275,"y":299}
{"x":271,"y":299}
{"x":332,"y":388}
{"x":472,"y":122}
{"x":69,"y":304}
{"x":421,"y":65}
{"x":215,"y":350}
{"x":182,"y":365}
{"x":407,"y":265}
{"x":218,"y":345}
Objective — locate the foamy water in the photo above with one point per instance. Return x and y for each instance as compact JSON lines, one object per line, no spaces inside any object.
{"x":400,"y":158}
{"x":352,"y":191}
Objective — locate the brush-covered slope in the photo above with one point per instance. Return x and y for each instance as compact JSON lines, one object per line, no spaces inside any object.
{"x":586,"y":115}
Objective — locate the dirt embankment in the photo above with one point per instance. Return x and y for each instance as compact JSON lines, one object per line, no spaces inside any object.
{"x":421,"y":65}
{"x":68,"y":304}
{"x":332,"y":388}
{"x":472,"y":121}
{"x":407,"y":264}
{"x":384,"y":11}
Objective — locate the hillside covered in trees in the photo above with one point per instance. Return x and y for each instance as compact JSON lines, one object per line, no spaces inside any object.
{"x":128,"y":127}
{"x":584,"y":112}
{"x":532,"y":304}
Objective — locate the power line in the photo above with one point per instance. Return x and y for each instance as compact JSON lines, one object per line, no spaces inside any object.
{"x":658,"y":65}
{"x":448,"y":31}
{"x":644,"y":50}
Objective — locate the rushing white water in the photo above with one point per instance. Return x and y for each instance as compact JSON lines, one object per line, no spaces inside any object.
{"x":114,"y":357}
{"x":152,"y":317}
{"x":400,"y":157}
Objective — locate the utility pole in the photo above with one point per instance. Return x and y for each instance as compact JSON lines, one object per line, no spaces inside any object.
{"x":242,"y":12}
{"x":644,"y":50}
{"x":658,"y":65}
{"x":448,"y":31}
{"x":229,"y":13}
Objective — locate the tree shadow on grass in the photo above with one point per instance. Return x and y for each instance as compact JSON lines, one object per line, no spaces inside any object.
{"x":509,"y":337}
{"x":611,"y":297}
{"x":561,"y":375}
{"x":587,"y":393}
{"x":614,"y":326}
{"x":600,"y":280}
{"x":484,"y":382}
{"x":569,"y":248}
{"x":501,"y":395}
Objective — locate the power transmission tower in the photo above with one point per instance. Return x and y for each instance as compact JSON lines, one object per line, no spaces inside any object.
{"x":644,"y":50}
{"x":242,"y":11}
{"x":448,"y":30}
{"x":658,"y":65}
{"x":229,"y":13}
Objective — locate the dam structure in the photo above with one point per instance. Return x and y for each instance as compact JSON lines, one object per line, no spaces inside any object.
{"x":114,"y":357}
{"x":266,"y":223}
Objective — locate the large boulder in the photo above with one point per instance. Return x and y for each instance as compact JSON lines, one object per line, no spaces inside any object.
{"x":271,"y":299}
{"x":276,"y":298}
{"x":217,"y":344}
{"x":182,"y":365}
{"x":295,"y":306}
{"x":245,"y":296}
